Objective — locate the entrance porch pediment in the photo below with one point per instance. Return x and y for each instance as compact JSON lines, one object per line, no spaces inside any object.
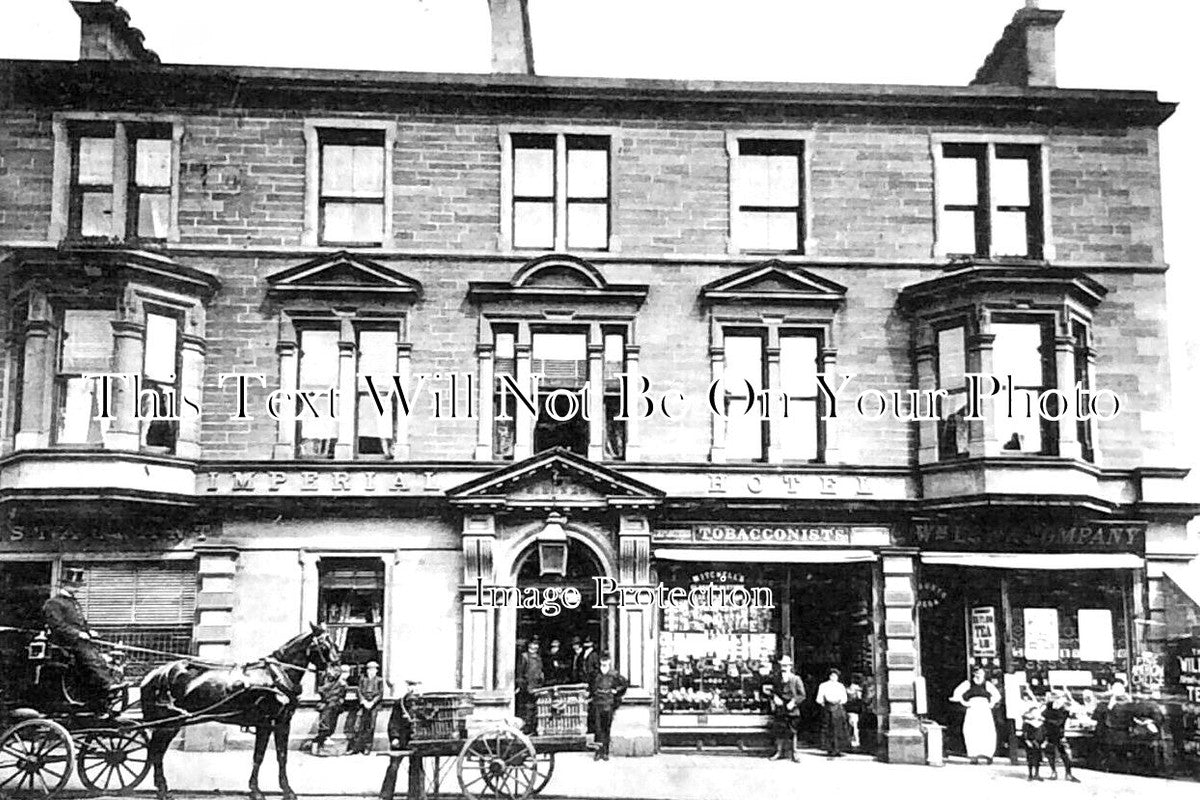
{"x":554,"y":479}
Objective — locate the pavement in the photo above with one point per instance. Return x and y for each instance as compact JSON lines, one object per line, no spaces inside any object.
{"x":206,"y":776}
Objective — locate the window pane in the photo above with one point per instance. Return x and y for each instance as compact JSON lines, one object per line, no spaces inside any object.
{"x":1015,"y":353}
{"x":79,"y":405}
{"x":958,"y":182}
{"x":951,"y":358}
{"x":162,"y":333}
{"x":87,"y":341}
{"x":1019,"y":432}
{"x":561,"y":346}
{"x":783,"y":181}
{"x":375,"y":429}
{"x":353,"y":222}
{"x":587,"y":225}
{"x":751,"y":181}
{"x":505,"y":345}
{"x":97,"y":219}
{"x":318,"y":359}
{"x":533,"y":225}
{"x":1010,"y":236}
{"x":152,"y":162}
{"x":587,"y":173}
{"x":153,"y":210}
{"x":743,"y":362}
{"x":337,"y":170}
{"x":798,"y":365}
{"x":95,"y":161}
{"x":743,"y":434}
{"x":797,"y":432}
{"x":614,"y":349}
{"x":367,"y":176}
{"x":533,"y":172}
{"x":952,"y":428}
{"x":1010,"y":182}
{"x":377,"y":356}
{"x":958,"y":232}
{"x":783,"y":231}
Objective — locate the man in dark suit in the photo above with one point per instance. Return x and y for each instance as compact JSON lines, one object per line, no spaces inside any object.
{"x":531,"y":676}
{"x":69,"y":629}
{"x":607,"y":691}
{"x":588,"y":666}
{"x":329,"y":707}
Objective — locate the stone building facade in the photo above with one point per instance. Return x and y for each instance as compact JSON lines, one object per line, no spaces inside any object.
{"x":304,"y":228}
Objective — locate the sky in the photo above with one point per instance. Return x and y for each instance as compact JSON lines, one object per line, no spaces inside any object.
{"x":1101,"y":44}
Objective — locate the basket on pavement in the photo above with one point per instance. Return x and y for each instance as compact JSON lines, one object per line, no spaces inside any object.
{"x":562,"y":710}
{"x":441,"y":715}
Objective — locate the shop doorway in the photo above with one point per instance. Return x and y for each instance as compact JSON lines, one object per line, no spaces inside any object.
{"x":950,"y":600}
{"x":546,"y":625}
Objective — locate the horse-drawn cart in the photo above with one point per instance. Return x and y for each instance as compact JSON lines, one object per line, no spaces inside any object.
{"x":487,"y":758}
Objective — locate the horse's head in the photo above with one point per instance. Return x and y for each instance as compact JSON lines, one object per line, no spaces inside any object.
{"x":321,"y":651}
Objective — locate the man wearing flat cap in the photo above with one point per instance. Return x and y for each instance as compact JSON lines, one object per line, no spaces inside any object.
{"x":69,"y":629}
{"x":787,"y":695}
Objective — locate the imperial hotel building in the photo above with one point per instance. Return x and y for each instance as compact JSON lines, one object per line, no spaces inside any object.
{"x":181,"y":224}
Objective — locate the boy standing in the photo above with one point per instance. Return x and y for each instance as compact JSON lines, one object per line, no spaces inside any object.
{"x":607,"y":690}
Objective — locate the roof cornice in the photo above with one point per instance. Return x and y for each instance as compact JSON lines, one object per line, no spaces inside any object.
{"x":59,"y":84}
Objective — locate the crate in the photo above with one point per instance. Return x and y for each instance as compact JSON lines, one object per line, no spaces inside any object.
{"x":562,"y":710}
{"x":440,"y":715}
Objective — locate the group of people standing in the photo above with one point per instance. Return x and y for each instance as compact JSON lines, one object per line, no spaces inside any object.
{"x":1043,"y":725}
{"x":582,"y":665}
{"x":787,"y":694}
{"x":360,"y":715}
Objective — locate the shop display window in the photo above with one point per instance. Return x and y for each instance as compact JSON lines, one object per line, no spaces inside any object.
{"x":714,"y":659}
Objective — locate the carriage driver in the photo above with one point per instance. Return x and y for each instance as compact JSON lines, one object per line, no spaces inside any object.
{"x":69,"y":629}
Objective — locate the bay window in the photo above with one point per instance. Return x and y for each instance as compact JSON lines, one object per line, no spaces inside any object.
{"x":952,"y":430}
{"x":85,"y":348}
{"x":160,"y":381}
{"x":1022,"y":358}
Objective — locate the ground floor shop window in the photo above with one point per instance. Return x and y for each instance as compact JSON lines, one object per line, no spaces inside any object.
{"x":1031,"y":631}
{"x":150,"y":606}
{"x":715,"y":664}
{"x":350,"y":606}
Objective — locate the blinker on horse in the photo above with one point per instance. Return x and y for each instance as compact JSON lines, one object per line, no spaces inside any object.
{"x":262,"y":695}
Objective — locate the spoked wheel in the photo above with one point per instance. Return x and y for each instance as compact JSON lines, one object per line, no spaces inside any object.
{"x":500,"y":763}
{"x":543,"y":769}
{"x":112,"y":762}
{"x":36,"y":758}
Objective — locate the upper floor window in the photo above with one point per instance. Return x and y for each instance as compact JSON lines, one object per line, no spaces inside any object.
{"x":767,"y":195}
{"x":316,"y":427}
{"x":160,"y":384}
{"x":85,"y":347}
{"x":352,"y":187}
{"x":765,"y":419}
{"x":990,"y":200}
{"x":560,"y":192}
{"x":952,"y":430}
{"x":376,"y":413}
{"x":122,"y":180}
{"x":1023,"y":356}
{"x":561,"y":359}
{"x":348,"y":182}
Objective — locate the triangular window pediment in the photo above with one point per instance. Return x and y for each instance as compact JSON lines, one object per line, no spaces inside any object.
{"x":555,"y":478}
{"x":774,"y":282}
{"x":343,"y":274}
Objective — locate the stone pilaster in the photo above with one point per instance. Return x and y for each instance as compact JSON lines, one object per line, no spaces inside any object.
{"x":902,"y":730}
{"x":124,"y":432}
{"x":187,"y":444}
{"x":595,"y":401}
{"x":1064,"y":369}
{"x":523,"y":443}
{"x":637,"y":631}
{"x":478,"y":623}
{"x":633,"y":436}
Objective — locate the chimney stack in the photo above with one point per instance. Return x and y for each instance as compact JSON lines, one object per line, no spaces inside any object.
{"x":106,"y":35}
{"x":512,"y":46}
{"x":1024,"y":56}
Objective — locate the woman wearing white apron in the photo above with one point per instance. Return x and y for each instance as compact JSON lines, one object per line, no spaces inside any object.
{"x":979,"y":697}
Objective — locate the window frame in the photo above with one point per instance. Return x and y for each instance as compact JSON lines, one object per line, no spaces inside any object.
{"x":362,"y":325}
{"x":1040,"y":240}
{"x":60,"y":379}
{"x":806,"y":244}
{"x":939,"y":327}
{"x":1084,"y":355}
{"x":64,"y":213}
{"x":313,"y":234}
{"x":1047,"y":324}
{"x":562,"y":201}
{"x":302,"y":326}
{"x":771,"y":332}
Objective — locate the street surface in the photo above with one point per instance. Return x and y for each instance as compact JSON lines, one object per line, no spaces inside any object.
{"x":196,"y":776}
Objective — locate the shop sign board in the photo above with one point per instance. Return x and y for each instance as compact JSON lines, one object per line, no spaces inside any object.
{"x":983,"y":632}
{"x":776,"y":534}
{"x":1026,"y":536}
{"x":1183,"y":681}
{"x":99,"y":534}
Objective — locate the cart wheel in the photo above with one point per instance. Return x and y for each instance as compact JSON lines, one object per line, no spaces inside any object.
{"x":36,"y":758}
{"x":543,"y":764}
{"x":112,"y":762}
{"x":500,"y":763}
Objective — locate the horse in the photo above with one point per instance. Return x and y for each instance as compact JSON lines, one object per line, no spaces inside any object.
{"x":262,"y":695}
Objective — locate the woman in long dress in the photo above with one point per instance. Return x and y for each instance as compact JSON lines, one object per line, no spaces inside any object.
{"x":979,"y":697}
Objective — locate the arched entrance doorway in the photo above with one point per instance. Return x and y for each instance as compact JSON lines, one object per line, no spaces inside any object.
{"x":547,"y":625}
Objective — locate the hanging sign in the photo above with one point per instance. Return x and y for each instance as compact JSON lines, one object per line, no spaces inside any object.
{"x":983,"y":631}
